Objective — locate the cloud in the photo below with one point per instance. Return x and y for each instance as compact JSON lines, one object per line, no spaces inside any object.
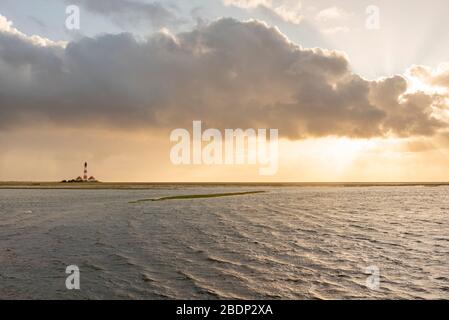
{"x":407,"y":114}
{"x":332,"y":13}
{"x":330,"y":19}
{"x":6,"y":27}
{"x":129,"y":12}
{"x":434,"y":77}
{"x":287,"y":10}
{"x":247,"y":4}
{"x":229,"y":74}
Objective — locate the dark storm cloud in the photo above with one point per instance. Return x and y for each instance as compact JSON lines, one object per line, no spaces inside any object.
{"x":228,"y":74}
{"x":406,"y":113}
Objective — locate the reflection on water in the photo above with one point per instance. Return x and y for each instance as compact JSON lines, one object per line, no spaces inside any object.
{"x":290,"y":242}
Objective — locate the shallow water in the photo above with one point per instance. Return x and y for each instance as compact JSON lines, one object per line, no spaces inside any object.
{"x":290,"y":243}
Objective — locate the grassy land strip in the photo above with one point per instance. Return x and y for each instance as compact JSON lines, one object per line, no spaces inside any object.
{"x":199,"y":196}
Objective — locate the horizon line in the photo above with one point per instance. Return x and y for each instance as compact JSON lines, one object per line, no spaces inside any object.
{"x":228,"y":182}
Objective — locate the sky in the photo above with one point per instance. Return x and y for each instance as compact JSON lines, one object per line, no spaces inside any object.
{"x":358,"y":90}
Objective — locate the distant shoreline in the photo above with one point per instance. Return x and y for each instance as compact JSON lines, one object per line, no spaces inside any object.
{"x":156,"y":185}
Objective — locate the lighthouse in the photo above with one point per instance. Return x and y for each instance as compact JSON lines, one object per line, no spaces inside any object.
{"x":85,"y":171}
{"x":84,"y":178}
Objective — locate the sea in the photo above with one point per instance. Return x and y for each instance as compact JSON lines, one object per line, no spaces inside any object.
{"x":289,"y":242}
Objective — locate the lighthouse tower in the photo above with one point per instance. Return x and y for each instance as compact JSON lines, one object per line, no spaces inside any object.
{"x":85,"y":171}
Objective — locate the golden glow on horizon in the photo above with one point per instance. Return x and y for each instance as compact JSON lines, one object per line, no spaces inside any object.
{"x":143,"y":157}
